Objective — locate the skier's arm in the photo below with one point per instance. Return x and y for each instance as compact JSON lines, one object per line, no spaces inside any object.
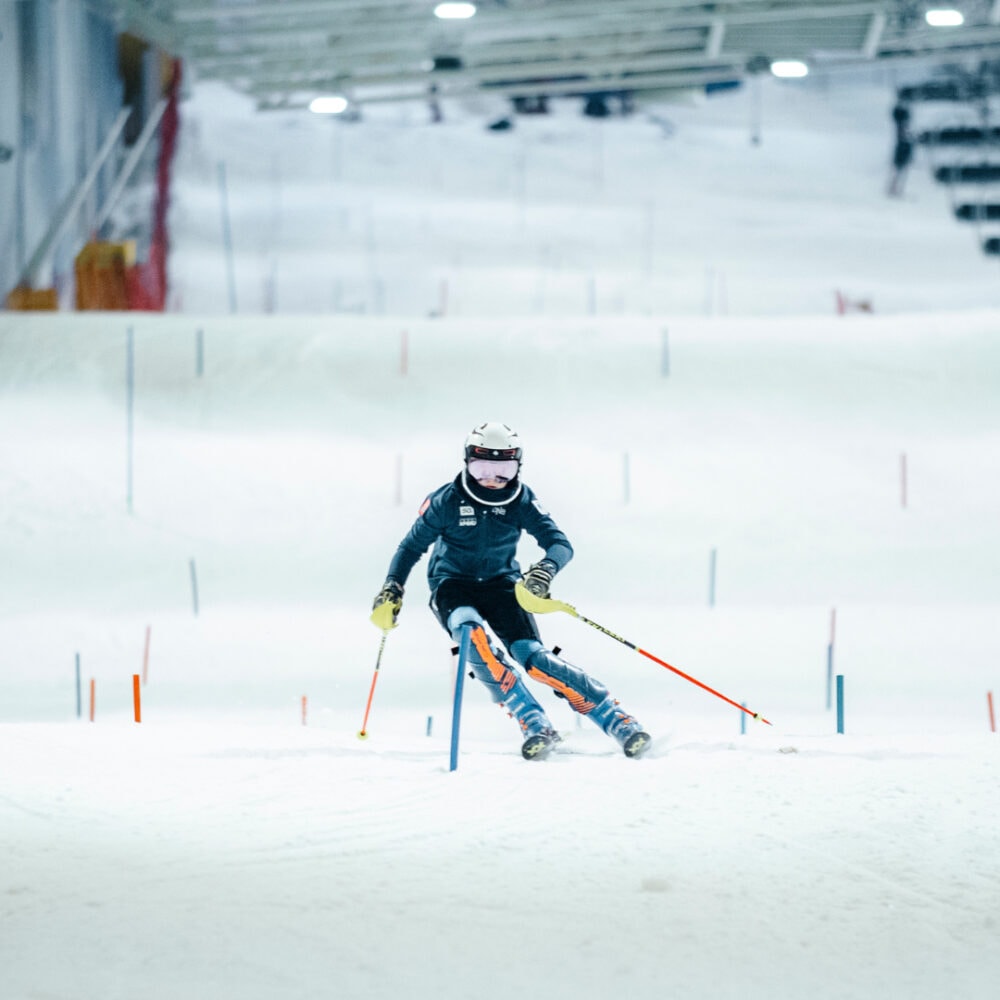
{"x":558,"y":551}
{"x":419,"y":538}
{"x":389,"y":599}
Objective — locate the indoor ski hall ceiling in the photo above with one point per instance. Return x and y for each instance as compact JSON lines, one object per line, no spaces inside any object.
{"x":285,"y":52}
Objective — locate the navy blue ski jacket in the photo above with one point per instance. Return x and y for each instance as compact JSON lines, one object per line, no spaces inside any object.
{"x":476,"y":539}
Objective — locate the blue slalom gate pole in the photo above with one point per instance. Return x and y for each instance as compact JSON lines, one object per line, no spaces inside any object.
{"x":840,"y":703}
{"x":456,"y":712}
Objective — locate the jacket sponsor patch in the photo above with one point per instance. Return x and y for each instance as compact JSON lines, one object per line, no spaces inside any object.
{"x":467,"y":511}
{"x":466,"y":522}
{"x":423,"y":507}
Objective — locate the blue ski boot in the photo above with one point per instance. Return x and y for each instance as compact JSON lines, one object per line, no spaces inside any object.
{"x":620,"y":726}
{"x":539,"y":736}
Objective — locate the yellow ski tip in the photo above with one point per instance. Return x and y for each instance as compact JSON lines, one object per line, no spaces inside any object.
{"x":540,"y":605}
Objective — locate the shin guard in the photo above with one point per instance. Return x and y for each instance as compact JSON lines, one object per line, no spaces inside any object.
{"x":582,"y":692}
{"x":505,"y":686}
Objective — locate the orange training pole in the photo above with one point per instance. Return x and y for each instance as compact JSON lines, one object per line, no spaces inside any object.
{"x":363,"y":731}
{"x":663,"y":663}
{"x":534,"y":604}
{"x":135,"y":698}
{"x":92,"y":699}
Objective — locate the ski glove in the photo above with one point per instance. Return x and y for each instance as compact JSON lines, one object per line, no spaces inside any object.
{"x":388,"y":601}
{"x":539,"y":576}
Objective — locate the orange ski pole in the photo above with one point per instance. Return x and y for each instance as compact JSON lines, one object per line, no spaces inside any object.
{"x":543,"y":605}
{"x":363,"y":731}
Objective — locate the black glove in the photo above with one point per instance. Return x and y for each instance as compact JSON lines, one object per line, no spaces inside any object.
{"x":539,"y":576}
{"x":388,"y":601}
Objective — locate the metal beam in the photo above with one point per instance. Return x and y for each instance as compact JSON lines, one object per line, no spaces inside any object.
{"x":876,"y":29}
{"x":530,"y":77}
{"x":687,"y":79}
{"x":131,"y":162}
{"x":66,"y":212}
{"x":716,"y":34}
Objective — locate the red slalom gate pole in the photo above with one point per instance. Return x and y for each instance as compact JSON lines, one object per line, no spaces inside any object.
{"x":993,"y":718}
{"x":542,"y":605}
{"x":136,"y":703}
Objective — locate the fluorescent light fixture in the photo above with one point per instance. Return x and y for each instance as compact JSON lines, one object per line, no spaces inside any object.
{"x":944,"y":18}
{"x":789,"y":68}
{"x":333,"y":105}
{"x":454,"y":11}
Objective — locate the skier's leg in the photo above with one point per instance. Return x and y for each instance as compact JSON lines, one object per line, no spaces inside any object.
{"x":505,"y":685}
{"x":585,"y":694}
{"x":582,"y":692}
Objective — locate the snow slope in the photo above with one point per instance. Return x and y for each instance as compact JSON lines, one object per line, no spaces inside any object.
{"x":222,"y":849}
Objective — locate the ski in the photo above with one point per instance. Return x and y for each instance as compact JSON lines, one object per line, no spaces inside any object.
{"x":542,"y":745}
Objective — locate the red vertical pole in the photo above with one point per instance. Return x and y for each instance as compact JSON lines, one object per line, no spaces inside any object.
{"x":304,"y":710}
{"x":92,"y":699}
{"x":993,"y":718}
{"x":404,"y":353}
{"x":135,"y":698}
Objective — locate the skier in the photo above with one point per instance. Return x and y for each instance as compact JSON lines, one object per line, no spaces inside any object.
{"x":474,"y":523}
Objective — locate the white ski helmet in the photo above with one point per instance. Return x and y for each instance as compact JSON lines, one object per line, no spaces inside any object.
{"x":494,"y":442}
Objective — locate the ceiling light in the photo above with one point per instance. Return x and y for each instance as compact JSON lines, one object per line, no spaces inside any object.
{"x":789,"y":68}
{"x":944,"y":18}
{"x":333,"y":105}
{"x":454,"y":11}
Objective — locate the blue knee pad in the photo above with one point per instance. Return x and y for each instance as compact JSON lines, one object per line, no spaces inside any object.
{"x":570,"y":682}
{"x":463,"y":616}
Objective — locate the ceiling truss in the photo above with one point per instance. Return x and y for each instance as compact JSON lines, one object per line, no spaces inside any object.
{"x":285,"y":52}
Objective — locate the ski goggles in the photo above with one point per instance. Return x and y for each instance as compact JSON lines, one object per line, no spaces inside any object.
{"x":483,"y":470}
